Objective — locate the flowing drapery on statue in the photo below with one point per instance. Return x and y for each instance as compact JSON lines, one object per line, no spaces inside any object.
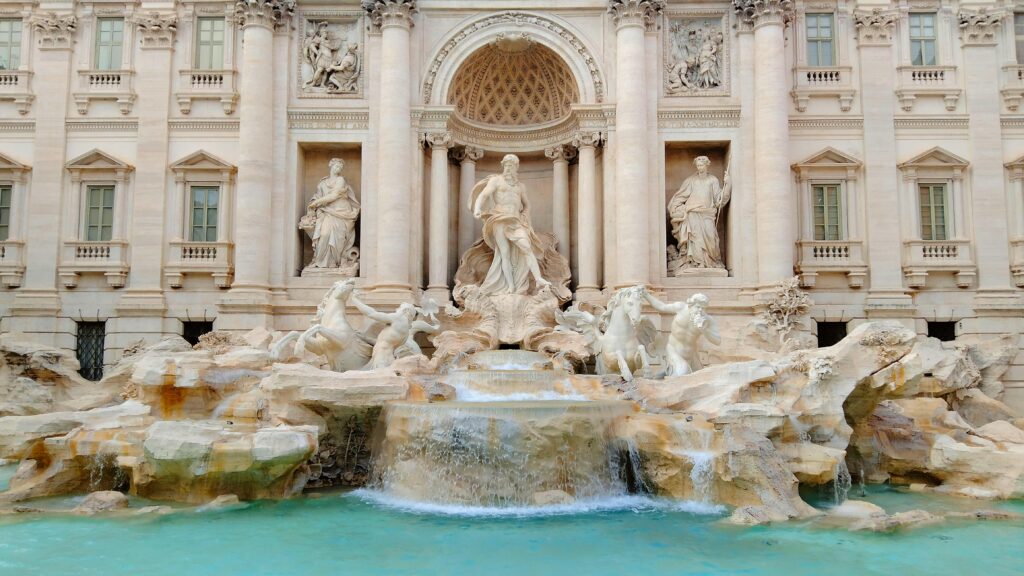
{"x":694,"y":211}
{"x":511,"y":258}
{"x":331,"y":223}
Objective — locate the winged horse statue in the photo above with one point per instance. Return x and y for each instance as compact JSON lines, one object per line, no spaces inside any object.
{"x":331,"y":335}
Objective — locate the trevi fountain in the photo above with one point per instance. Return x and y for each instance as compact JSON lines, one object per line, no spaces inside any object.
{"x":517,"y":416}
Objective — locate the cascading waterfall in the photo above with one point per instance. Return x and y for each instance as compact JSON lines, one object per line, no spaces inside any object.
{"x":841,"y":483}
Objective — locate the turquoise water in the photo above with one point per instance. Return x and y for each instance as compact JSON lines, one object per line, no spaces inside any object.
{"x":353,"y":534}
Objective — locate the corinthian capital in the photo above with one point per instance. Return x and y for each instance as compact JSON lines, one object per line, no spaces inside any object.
{"x":635,"y":12}
{"x":757,"y":12}
{"x":438,"y":139}
{"x":875,"y":27}
{"x":584,"y":139}
{"x":979,"y":27}
{"x":385,"y":13}
{"x":54,"y":31}
{"x":560,"y":152}
{"x":269,"y":13}
{"x":157,"y":30}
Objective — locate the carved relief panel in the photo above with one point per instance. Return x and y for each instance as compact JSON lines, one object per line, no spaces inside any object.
{"x":696,"y":54}
{"x":331,"y":58}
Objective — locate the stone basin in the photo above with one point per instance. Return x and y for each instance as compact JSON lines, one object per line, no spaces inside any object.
{"x":508,"y":360}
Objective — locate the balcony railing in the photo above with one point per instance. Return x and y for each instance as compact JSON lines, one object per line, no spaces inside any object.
{"x":214,"y":258}
{"x":109,"y":258}
{"x":207,"y":85}
{"x":1017,"y":261}
{"x":921,"y":257}
{"x":105,"y":85}
{"x":12,"y":265}
{"x":839,"y":256}
{"x":918,"y":81}
{"x":1013,"y":86}
{"x":15,"y":85}
{"x":813,"y":82}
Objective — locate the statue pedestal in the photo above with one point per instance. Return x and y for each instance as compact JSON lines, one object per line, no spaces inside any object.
{"x":698,"y":273}
{"x":350,"y":271}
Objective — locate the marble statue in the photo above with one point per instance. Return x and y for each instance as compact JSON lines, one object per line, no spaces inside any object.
{"x":397,"y":337}
{"x":694,"y":211}
{"x":330,"y":335}
{"x":620,"y":337}
{"x":331,"y":223}
{"x":500,"y":202}
{"x":690,"y":325}
{"x":696,"y":52}
{"x":332,"y":70}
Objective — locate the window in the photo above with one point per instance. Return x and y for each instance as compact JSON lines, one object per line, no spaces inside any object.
{"x":830,"y":333}
{"x":192,"y":330}
{"x":922,"y":39}
{"x":819,"y":40}
{"x":99,"y":213}
{"x":10,"y":44}
{"x":934,"y":220}
{"x":827,"y":212}
{"x":205,"y":200}
{"x":5,"y":212}
{"x":89,"y":349}
{"x":210,"y":44}
{"x":109,"y":39}
{"x":945,"y":331}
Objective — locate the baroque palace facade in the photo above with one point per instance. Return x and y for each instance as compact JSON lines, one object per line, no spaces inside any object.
{"x":169,"y":167}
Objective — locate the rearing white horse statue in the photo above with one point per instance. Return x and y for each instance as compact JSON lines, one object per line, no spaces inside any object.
{"x":331,"y":335}
{"x":620,"y":337}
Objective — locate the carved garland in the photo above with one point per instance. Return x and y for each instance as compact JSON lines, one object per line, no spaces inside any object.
{"x":517,"y":19}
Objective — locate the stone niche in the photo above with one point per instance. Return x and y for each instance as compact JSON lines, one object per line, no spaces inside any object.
{"x":679,"y":165}
{"x":313,"y":165}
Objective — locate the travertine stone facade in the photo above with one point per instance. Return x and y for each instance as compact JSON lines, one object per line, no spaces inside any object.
{"x":157,"y":157}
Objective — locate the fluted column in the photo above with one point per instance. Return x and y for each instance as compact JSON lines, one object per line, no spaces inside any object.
{"x":467,"y":157}
{"x":394,"y":153}
{"x":437,"y":275}
{"x":560,"y":156}
{"x":775,"y":201}
{"x":588,"y":244}
{"x":631,"y":173}
{"x":255,"y":152}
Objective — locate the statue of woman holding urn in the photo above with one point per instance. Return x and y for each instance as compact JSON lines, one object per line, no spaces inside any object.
{"x":330,"y":222}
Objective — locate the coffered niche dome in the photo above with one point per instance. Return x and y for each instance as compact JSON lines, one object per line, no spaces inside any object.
{"x":513,"y":81}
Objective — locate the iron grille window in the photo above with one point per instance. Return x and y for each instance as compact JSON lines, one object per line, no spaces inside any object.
{"x":89,"y":349}
{"x":191,"y":331}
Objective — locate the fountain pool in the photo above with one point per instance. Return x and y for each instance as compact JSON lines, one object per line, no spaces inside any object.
{"x":354,"y":533}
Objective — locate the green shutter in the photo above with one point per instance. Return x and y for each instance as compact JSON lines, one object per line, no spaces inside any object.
{"x":922,"y":39}
{"x":210,"y":44}
{"x":934,"y":206}
{"x":820,"y":51}
{"x":109,"y":41}
{"x":10,"y":44}
{"x":205,"y":204}
{"x":99,"y":213}
{"x":5,"y":212}
{"x":828,"y":212}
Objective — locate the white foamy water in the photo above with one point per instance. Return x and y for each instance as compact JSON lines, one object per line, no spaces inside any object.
{"x":467,"y":394}
{"x":635,"y":503}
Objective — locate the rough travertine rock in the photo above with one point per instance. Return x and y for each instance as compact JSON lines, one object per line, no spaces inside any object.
{"x":20,"y":435}
{"x":901,"y":520}
{"x":103,"y":501}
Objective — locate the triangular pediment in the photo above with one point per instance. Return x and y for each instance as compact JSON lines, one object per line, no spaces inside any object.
{"x":1018,"y":163}
{"x":202,"y":160}
{"x":8,"y":164}
{"x":935,"y":158}
{"x":97,"y":160}
{"x":828,"y":158}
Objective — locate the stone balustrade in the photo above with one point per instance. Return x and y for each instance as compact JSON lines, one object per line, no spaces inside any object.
{"x":1013,"y":86}
{"x":109,"y":258}
{"x":213,"y":258}
{"x":922,"y":257}
{"x":827,"y":256}
{"x":928,"y":81}
{"x":15,"y":85}
{"x":816,"y":81}
{"x":114,"y":85}
{"x":207,"y":85}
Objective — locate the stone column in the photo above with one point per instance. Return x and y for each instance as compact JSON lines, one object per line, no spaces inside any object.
{"x":979,"y":33}
{"x":250,"y":293}
{"x":437,"y":276}
{"x":467,"y":158}
{"x":631,"y":169}
{"x":884,"y":249}
{"x":394,"y":157}
{"x":560,"y":156}
{"x":37,"y":304}
{"x":588,"y":238}
{"x":776,"y":203}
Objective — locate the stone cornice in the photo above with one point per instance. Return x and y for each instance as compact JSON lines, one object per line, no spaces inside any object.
{"x":203,"y":125}
{"x":54,"y":31}
{"x":874,"y":28}
{"x":267,"y":13}
{"x":387,"y":13}
{"x":156,"y":30}
{"x":635,"y":12}
{"x":763,"y":12}
{"x":979,"y":27}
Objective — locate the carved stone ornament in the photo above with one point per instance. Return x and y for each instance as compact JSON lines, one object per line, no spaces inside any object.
{"x":384,"y":13}
{"x":979,"y":27}
{"x":332,"y":59}
{"x":269,"y":13}
{"x":54,"y":31}
{"x":156,"y":30}
{"x":585,"y":139}
{"x":874,"y":27}
{"x":560,"y":152}
{"x":696,"y":60}
{"x":467,"y":154}
{"x":635,"y":12}
{"x":757,"y":12}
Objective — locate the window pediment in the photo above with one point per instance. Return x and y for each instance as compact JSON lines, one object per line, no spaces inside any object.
{"x":936,"y":157}
{"x":830,"y":161}
{"x":12,"y":168}
{"x":97,"y":160}
{"x":202,"y":161}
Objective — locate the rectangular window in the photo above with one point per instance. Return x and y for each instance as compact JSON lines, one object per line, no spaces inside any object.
{"x":828,"y":212}
{"x":89,"y":349}
{"x":5,"y":212}
{"x":109,"y":40}
{"x":99,"y":213}
{"x":10,"y":44}
{"x":922,"y":39}
{"x":934,"y":215}
{"x":205,"y":201}
{"x":820,"y":46}
{"x":1018,"y":36}
{"x":210,"y":44}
